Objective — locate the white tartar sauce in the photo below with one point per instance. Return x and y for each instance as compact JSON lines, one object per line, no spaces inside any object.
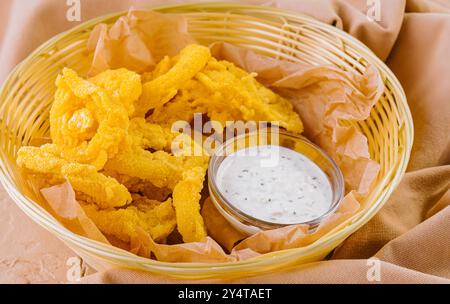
{"x":290,"y":190}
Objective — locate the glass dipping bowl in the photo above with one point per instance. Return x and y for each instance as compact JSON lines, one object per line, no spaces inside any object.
{"x":248,"y":224}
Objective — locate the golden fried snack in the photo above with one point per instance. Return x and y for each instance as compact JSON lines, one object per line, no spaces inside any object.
{"x":159,"y":221}
{"x":161,"y":68}
{"x":163,"y":88}
{"x":120,"y":84}
{"x":226,"y":93}
{"x":244,"y":97}
{"x":160,"y":168}
{"x":186,"y":197}
{"x":136,"y":185}
{"x":153,"y":136}
{"x":148,"y":135}
{"x":144,"y":203}
{"x":183,"y":106}
{"x":105,"y":191}
{"x":85,"y":122}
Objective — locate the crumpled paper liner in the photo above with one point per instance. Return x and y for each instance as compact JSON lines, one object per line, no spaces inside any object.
{"x":61,"y":199}
{"x":322,"y":95}
{"x":137,"y":41}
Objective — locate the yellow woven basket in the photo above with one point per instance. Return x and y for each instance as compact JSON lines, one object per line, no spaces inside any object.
{"x":26,"y":97}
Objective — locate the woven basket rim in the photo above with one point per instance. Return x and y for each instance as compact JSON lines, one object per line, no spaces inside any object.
{"x":283,"y":255}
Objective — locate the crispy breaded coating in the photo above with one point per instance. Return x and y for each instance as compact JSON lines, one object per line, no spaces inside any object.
{"x":149,"y":136}
{"x":160,"y":69}
{"x":105,"y":191}
{"x":159,"y":221}
{"x":184,"y":105}
{"x":163,"y":88}
{"x":226,"y":93}
{"x":186,"y":198}
{"x":85,"y":122}
{"x":160,"y":168}
{"x":121,"y":84}
{"x":136,"y":185}
{"x":240,"y":90}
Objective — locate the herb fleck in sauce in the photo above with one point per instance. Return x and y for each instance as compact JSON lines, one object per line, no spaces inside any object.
{"x":293,"y":189}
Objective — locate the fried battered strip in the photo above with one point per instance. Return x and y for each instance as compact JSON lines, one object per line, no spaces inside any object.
{"x":159,"y":168}
{"x":163,"y":88}
{"x":149,"y":136}
{"x":105,"y":191}
{"x":158,"y":221}
{"x":226,"y":93}
{"x":161,"y":68}
{"x":121,"y":84}
{"x":183,"y":106}
{"x":240,"y":91}
{"x":136,"y":185}
{"x":186,"y":197}
{"x":85,"y":122}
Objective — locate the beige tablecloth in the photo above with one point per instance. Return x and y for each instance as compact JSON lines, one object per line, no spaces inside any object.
{"x":410,"y":235}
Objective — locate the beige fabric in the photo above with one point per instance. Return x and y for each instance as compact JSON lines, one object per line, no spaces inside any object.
{"x":410,"y":235}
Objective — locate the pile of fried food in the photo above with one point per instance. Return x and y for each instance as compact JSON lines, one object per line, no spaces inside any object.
{"x":111,"y":139}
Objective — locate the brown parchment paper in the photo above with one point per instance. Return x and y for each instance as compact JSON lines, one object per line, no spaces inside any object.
{"x":61,"y":199}
{"x":322,"y":95}
{"x":137,"y":41}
